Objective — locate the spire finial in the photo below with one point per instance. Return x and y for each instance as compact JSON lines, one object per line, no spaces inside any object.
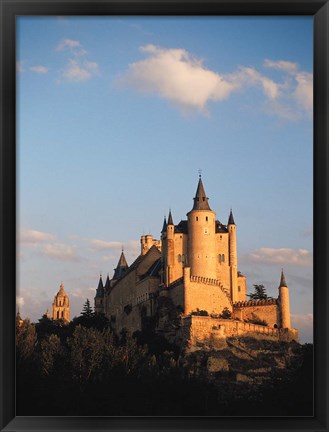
{"x":200,"y":172}
{"x":283,"y":282}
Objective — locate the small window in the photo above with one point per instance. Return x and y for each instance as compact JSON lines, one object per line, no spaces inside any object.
{"x":239,"y":288}
{"x":206,"y":218}
{"x":197,"y":218}
{"x":223,"y":258}
{"x":62,"y":314}
{"x":179,"y":258}
{"x":57,"y":314}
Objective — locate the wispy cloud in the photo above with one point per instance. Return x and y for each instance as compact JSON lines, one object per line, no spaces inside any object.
{"x":59,"y":251}
{"x":47,"y":245}
{"x":39,"y":69}
{"x":33,"y":237}
{"x":67,"y":44}
{"x":176,"y":75}
{"x":78,"y":68}
{"x":281,"y":256}
{"x":101,"y":244}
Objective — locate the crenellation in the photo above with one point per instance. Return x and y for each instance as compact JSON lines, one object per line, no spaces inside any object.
{"x":195,"y":267}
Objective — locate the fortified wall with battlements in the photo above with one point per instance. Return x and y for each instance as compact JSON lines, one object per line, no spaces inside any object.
{"x":192,"y":269}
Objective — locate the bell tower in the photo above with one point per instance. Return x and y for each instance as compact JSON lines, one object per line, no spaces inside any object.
{"x":61,"y":305}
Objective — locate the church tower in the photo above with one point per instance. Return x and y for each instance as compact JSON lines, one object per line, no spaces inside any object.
{"x":284,"y":303}
{"x":202,"y":236}
{"x":61,"y":305}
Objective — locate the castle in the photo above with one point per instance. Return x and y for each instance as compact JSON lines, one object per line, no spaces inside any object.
{"x":188,"y":280}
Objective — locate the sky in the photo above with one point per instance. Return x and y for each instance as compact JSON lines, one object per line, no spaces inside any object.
{"x":117,"y":115}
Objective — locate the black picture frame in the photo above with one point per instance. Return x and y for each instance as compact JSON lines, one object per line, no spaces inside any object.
{"x":9,"y":9}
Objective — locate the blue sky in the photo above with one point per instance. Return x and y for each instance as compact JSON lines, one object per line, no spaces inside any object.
{"x":116,"y":115}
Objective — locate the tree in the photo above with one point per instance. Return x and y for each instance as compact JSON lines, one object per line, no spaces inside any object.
{"x":259,"y":294}
{"x":226,"y":314}
{"x":26,"y":340}
{"x":87,"y":310}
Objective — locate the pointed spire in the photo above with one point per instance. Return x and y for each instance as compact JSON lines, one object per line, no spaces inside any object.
{"x":231,"y":218}
{"x":100,"y":288}
{"x":121,"y":267}
{"x":170,"y":220}
{"x":164,"y":227}
{"x":200,"y":199}
{"x":122,"y":260}
{"x":283,"y":282}
{"x":100,"y":283}
{"x":107,"y":282}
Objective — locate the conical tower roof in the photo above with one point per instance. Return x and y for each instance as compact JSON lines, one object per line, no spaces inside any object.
{"x":100,"y":288}
{"x":283,"y":282}
{"x":121,"y":267}
{"x":170,"y":219}
{"x":107,"y":282}
{"x":231,"y":218}
{"x":200,"y":199}
{"x":164,"y":227}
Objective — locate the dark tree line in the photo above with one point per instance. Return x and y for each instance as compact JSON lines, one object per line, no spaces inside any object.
{"x":83,"y":368}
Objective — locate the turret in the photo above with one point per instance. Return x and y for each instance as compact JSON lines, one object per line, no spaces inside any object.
{"x":284,"y":302}
{"x":233,"y":257}
{"x":201,"y":236}
{"x":99,"y":298}
{"x":121,"y":268}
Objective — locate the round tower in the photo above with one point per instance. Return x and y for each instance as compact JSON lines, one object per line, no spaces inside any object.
{"x":233,"y":257}
{"x":202,"y":236}
{"x":284,"y":302}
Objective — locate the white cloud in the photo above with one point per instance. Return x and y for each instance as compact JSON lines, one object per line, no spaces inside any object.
{"x":20,"y":301}
{"x":34,"y":237}
{"x":304,"y":90}
{"x":74,"y":72}
{"x":101,"y":244}
{"x":281,"y":256}
{"x":175,"y":75}
{"x":78,"y":68}
{"x":283,"y":65}
{"x":39,"y":69}
{"x":68,"y":44}
{"x":59,"y":251}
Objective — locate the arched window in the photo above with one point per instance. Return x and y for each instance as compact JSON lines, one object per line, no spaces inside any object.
{"x":223,"y":258}
{"x":62,"y":314}
{"x":206,"y":218}
{"x":196,"y":218}
{"x":57,"y":314}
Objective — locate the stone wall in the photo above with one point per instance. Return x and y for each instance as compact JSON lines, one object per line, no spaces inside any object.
{"x":204,"y":294}
{"x":267,"y":310}
{"x":199,"y":329}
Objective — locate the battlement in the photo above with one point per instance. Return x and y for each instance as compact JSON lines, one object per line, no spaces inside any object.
{"x":251,"y":303}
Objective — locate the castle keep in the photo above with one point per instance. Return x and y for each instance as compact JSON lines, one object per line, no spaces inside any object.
{"x":187,"y":279}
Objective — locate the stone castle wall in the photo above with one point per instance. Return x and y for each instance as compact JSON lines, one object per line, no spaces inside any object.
{"x":267,"y":310}
{"x":202,"y":329}
{"x":204,"y":294}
